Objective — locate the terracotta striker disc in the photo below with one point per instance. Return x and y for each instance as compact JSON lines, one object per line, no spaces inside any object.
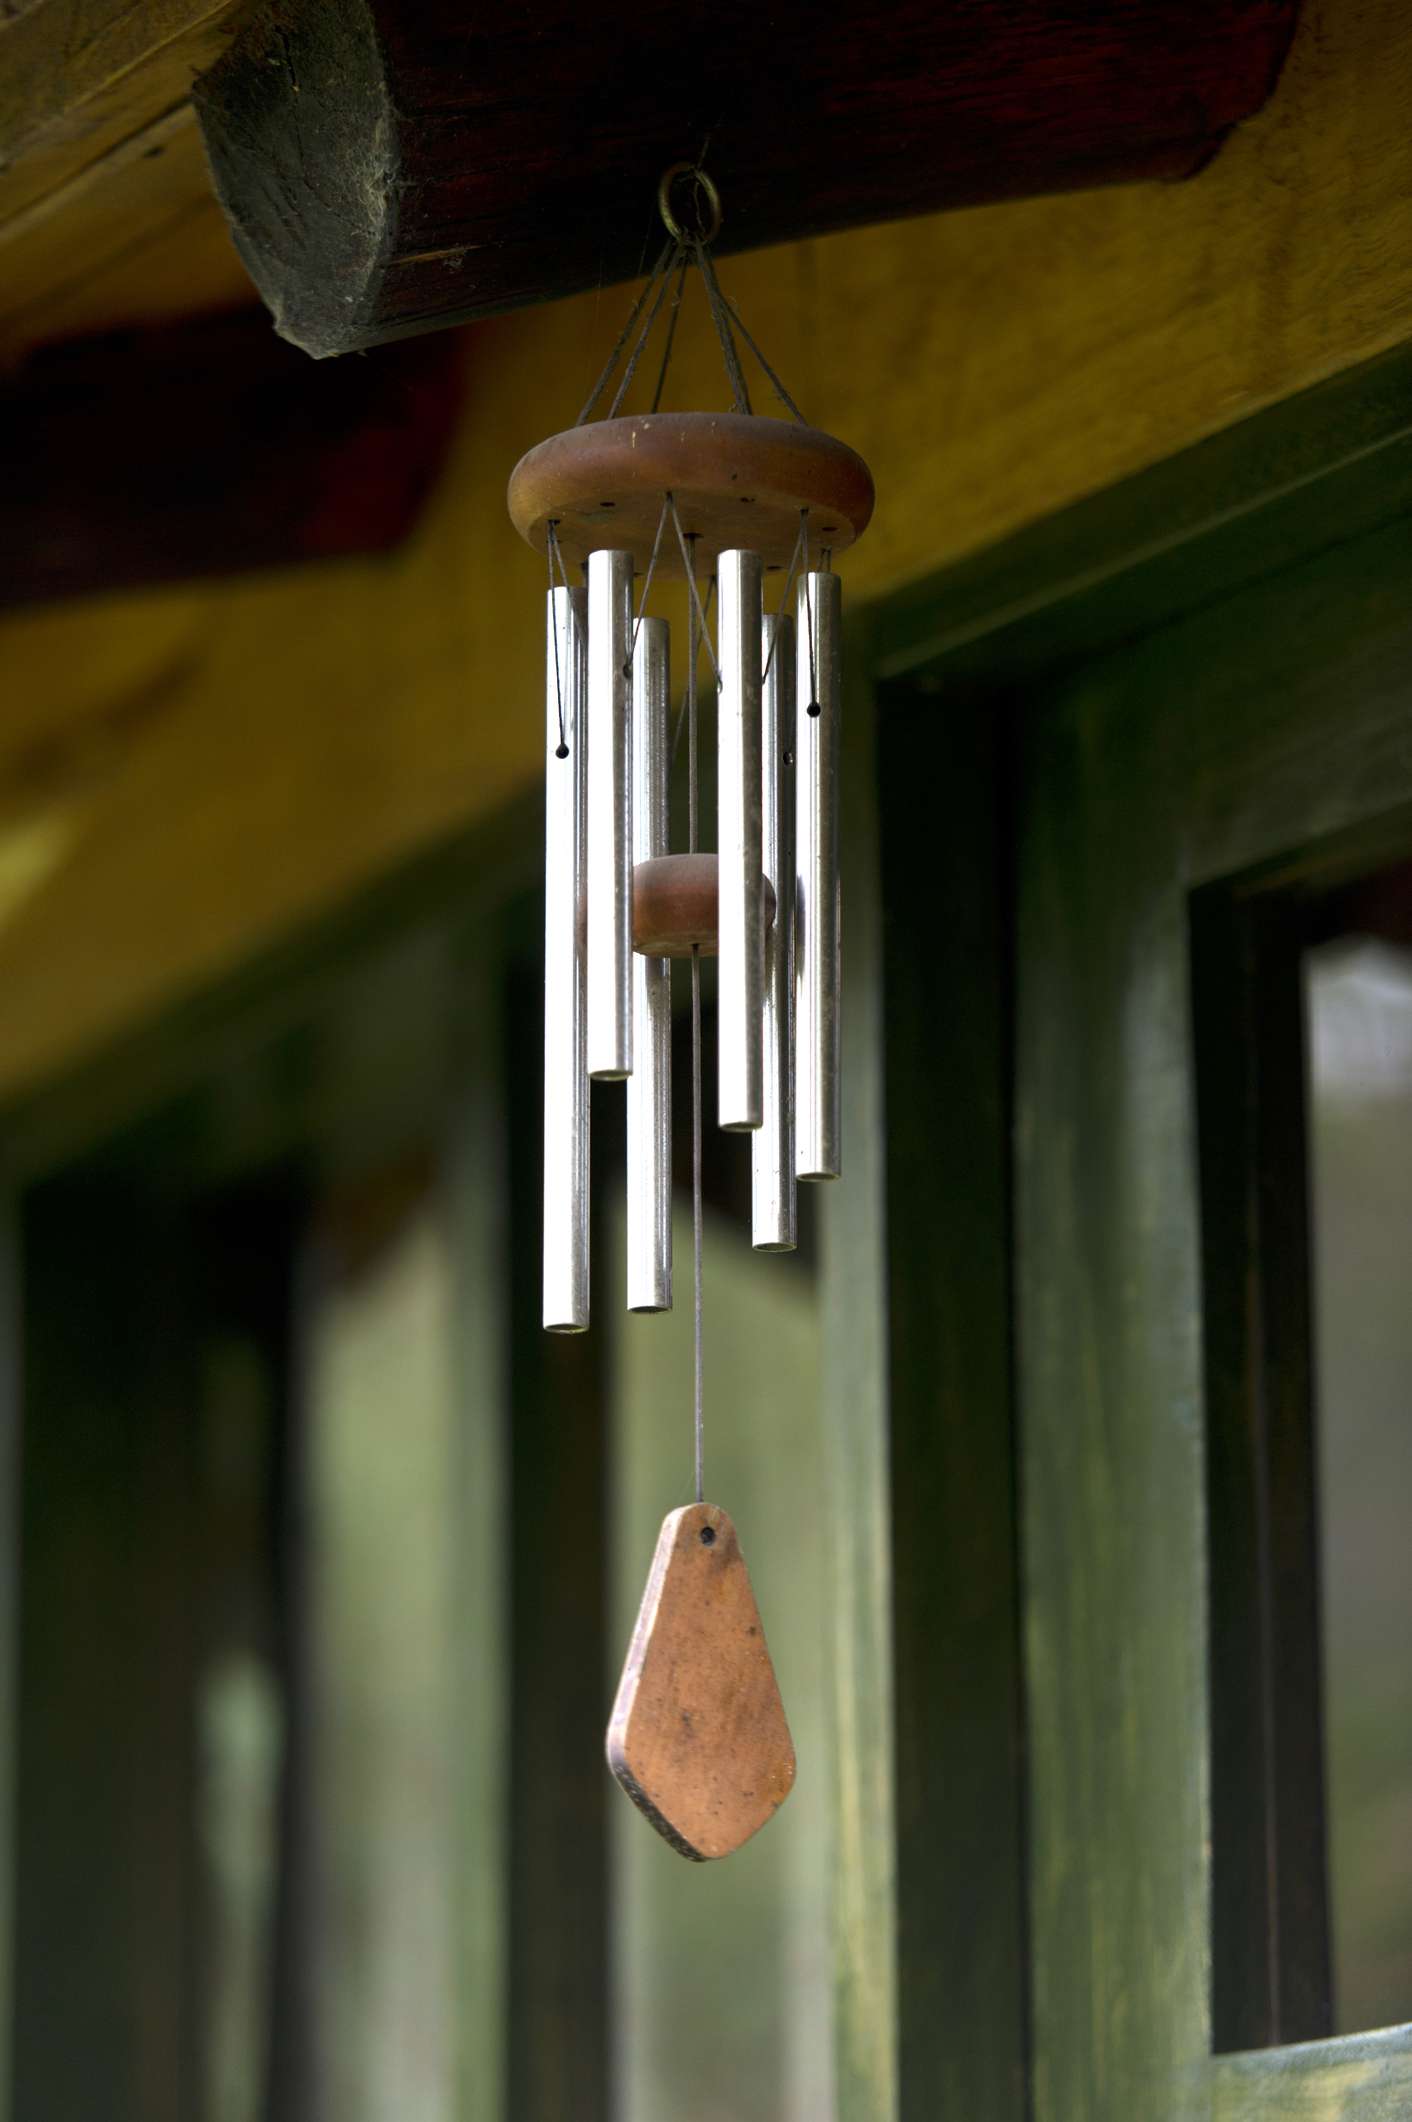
{"x":739,"y":480}
{"x":698,"y":1737}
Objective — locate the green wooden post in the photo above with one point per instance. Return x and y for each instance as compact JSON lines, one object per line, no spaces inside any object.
{"x":854,"y":1304}
{"x":961,"y":1976}
{"x":916,"y":1308}
{"x":1261,"y":742}
{"x":1231,"y":642}
{"x":1110,"y":1399}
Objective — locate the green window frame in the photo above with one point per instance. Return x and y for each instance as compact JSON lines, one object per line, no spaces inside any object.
{"x":1203,"y":680}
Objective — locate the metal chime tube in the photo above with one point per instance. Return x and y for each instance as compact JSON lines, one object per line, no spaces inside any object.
{"x":817,"y":1026}
{"x":649,"y":1092}
{"x":741,"y":915}
{"x":609,"y":814}
{"x":565,"y":985}
{"x":774,"y":1201}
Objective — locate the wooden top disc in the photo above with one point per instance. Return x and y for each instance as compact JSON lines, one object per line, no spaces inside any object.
{"x":739,"y":480}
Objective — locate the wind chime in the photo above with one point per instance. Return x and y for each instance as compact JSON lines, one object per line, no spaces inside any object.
{"x":698,"y":1736}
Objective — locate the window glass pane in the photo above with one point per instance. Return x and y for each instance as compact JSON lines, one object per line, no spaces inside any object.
{"x":722,"y":1971}
{"x":1359,"y":999}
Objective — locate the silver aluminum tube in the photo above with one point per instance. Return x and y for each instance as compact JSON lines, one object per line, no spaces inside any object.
{"x":565,"y":984}
{"x":649,"y":1091}
{"x":774,"y":1200}
{"x":609,"y":814}
{"x":740,"y":990}
{"x":817,"y":938}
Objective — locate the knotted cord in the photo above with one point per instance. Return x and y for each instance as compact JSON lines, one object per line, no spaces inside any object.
{"x":682,"y":250}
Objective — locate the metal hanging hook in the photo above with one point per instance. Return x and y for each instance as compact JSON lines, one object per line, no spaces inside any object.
{"x":707,"y":200}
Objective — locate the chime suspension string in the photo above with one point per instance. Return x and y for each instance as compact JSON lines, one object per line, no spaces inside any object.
{"x":681,"y":711}
{"x":671,"y":329}
{"x":698,"y":616}
{"x":693,"y":816}
{"x":780,"y":392}
{"x":643,"y":336}
{"x":799,"y":544}
{"x":675,"y":260}
{"x":556,"y":554}
{"x":699,"y":1424}
{"x":647,"y":581}
{"x":740,"y":394}
{"x":663,"y":265}
{"x":693,"y":786}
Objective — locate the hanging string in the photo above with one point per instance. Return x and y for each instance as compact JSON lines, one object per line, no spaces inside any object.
{"x":558,"y":552}
{"x":642,"y":338}
{"x":671,"y":329}
{"x":689,"y":563}
{"x":799,"y":544}
{"x":693,"y":809}
{"x":663,"y":265}
{"x":699,"y":1416}
{"x":693,"y":787}
{"x":780,"y":392}
{"x":647,"y":585}
{"x":681,"y":250}
{"x":740,"y":395}
{"x":681,"y":711}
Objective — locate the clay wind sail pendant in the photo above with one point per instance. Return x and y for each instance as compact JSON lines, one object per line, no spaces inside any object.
{"x":698,"y":1737}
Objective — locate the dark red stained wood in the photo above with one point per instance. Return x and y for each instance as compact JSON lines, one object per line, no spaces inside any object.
{"x":389,"y":167}
{"x":210,"y":448}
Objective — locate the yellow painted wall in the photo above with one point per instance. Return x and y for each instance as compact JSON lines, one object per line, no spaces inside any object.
{"x":185,"y":776}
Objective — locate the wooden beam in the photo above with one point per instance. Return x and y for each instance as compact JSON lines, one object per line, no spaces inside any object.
{"x":117,"y":475}
{"x":389,"y":169}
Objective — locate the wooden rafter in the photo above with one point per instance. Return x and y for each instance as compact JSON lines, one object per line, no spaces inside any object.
{"x":389,"y":168}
